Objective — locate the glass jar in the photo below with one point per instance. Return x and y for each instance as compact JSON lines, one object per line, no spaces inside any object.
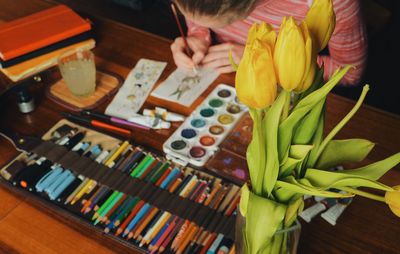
{"x":284,"y":241}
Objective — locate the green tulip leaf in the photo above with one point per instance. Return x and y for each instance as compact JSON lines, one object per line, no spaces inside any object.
{"x":263,"y":218}
{"x":328,"y":179}
{"x":256,"y":151}
{"x":292,"y":185}
{"x":316,"y":141}
{"x":317,"y":83}
{"x":308,"y":125}
{"x":294,"y":208}
{"x":285,"y":196}
{"x":297,"y":155}
{"x":341,"y":124}
{"x":287,"y":168}
{"x":244,"y":199}
{"x":340,"y":151}
{"x":302,"y":108}
{"x":375,"y":170}
{"x":272,"y":120}
{"x":299,"y":151}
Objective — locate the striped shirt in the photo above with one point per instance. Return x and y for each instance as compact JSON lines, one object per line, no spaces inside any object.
{"x":348,"y":44}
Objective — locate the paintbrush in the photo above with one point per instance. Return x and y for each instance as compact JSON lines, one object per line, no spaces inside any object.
{"x":189,"y":52}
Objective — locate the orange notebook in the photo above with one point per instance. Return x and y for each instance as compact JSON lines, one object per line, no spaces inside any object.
{"x":39,"y":30}
{"x":43,"y":62}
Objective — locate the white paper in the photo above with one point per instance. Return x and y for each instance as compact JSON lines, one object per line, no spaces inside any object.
{"x":184,"y":87}
{"x":135,"y":89}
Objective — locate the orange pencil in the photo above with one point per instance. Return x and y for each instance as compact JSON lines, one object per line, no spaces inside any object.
{"x":175,"y":185}
{"x":213,"y":192}
{"x":180,"y":234}
{"x":141,"y":225}
{"x":219,"y":197}
{"x":187,"y":239}
{"x":136,"y":232}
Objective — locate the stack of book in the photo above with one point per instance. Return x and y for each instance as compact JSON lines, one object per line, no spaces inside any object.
{"x":33,"y":43}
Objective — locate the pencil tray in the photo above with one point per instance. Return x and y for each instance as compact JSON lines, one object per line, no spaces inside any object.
{"x":205,"y":204}
{"x":199,"y":136}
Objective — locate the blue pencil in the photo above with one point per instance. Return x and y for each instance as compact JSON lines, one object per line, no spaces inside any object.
{"x":138,"y":216}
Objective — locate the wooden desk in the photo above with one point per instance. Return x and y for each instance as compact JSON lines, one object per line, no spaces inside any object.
{"x":365,"y":227}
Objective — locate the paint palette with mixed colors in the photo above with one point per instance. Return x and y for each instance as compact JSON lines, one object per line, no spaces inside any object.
{"x":197,"y":139}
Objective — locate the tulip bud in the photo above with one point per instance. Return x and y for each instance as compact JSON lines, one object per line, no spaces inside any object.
{"x":392,"y":198}
{"x":321,"y":20}
{"x":255,"y":77}
{"x":293,"y":55}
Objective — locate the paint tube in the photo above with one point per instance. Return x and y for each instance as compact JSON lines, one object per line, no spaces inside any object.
{"x":152,"y":122}
{"x":163,"y":114}
{"x":333,"y":213}
{"x":312,"y":211}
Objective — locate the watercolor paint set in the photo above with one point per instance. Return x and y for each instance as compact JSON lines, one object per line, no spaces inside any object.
{"x":199,"y":136}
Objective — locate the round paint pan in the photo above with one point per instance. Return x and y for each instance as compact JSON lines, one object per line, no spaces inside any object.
{"x":207,"y":112}
{"x":198,"y":123}
{"x":224,"y":93}
{"x":188,"y":133}
{"x":215,"y":103}
{"x":233,"y":109}
{"x":197,"y":152}
{"x":216,"y":129}
{"x":225,"y":119}
{"x":178,"y":144}
{"x":207,"y":141}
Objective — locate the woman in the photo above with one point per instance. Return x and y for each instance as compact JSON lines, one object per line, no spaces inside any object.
{"x":230,"y":20}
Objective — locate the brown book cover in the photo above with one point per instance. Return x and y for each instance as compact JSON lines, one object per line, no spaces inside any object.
{"x":39,"y":30}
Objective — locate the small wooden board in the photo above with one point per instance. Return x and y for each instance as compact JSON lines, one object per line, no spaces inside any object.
{"x":107,"y":85}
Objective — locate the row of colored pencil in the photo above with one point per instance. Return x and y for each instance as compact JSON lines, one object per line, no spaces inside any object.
{"x":150,"y":202}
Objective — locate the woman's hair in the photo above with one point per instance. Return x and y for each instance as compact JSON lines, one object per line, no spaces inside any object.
{"x":216,"y":7}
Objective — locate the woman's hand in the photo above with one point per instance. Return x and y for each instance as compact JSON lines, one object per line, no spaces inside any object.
{"x":197,"y":45}
{"x":218,"y":57}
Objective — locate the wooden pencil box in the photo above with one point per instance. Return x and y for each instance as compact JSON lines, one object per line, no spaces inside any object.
{"x":219,"y":222}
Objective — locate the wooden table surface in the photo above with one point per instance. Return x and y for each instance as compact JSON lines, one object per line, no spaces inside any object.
{"x":26,"y":227}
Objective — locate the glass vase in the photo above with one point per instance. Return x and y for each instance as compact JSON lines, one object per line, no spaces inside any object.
{"x":285,"y":240}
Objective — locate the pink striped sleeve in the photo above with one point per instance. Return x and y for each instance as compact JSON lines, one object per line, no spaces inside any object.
{"x":348,"y":44}
{"x":199,"y":31}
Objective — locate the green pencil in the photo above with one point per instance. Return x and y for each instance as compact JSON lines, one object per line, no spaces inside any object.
{"x":104,"y":205}
{"x":161,"y":171}
{"x":141,"y":164}
{"x":109,"y":206}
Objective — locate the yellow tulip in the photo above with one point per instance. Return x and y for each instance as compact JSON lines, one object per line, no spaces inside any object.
{"x":321,"y":20}
{"x":255,"y":77}
{"x":263,"y":32}
{"x":392,"y":198}
{"x":293,"y":56}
